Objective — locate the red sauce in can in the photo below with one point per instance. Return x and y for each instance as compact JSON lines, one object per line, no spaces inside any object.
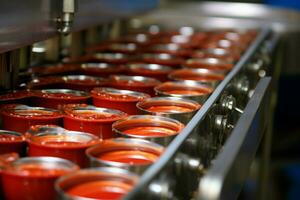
{"x":12,"y":142}
{"x":208,"y":63}
{"x":135,"y":83}
{"x":63,"y":146}
{"x":82,"y":82}
{"x":123,"y":100}
{"x":133,"y":157}
{"x":101,"y":190}
{"x":21,"y":96}
{"x":45,"y":82}
{"x":101,"y":69}
{"x":196,"y":75}
{"x":170,"y":109}
{"x":91,"y":119}
{"x":150,"y":131}
{"x":20,"y":118}
{"x":54,"y":98}
{"x":33,"y":180}
{"x":173,"y":88}
{"x":53,"y":70}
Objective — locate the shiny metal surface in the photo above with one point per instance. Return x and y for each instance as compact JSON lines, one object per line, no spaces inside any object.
{"x":226,"y":176}
{"x":191,"y":141}
{"x":25,"y":23}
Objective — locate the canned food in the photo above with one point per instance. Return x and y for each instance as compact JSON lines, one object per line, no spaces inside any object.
{"x":136,"y":155}
{"x":54,"y":98}
{"x":101,"y":69}
{"x":34,"y":177}
{"x":169,"y":48}
{"x":11,"y":141}
{"x":173,"y":107}
{"x":45,"y":82}
{"x":21,"y":97}
{"x":59,"y":69}
{"x":139,"y":38}
{"x":123,"y":100}
{"x":159,"y":72}
{"x":135,"y":83}
{"x":209,"y":77}
{"x":208,"y":63}
{"x":83,"y":82}
{"x":219,"y":53}
{"x":161,"y":130}
{"x":186,"y":89}
{"x":162,"y":59}
{"x":70,"y":145}
{"x":113,"y":58}
{"x":5,"y":160}
{"x":19,"y":118}
{"x":96,"y":183}
{"x":91,"y":119}
{"x":113,"y":47}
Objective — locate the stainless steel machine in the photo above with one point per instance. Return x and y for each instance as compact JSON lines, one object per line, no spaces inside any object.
{"x":211,"y":158}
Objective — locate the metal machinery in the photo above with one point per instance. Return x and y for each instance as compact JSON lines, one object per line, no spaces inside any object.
{"x":211,"y":158}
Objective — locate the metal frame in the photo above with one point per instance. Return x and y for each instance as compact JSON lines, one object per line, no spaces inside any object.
{"x":225,"y":178}
{"x":200,"y":115}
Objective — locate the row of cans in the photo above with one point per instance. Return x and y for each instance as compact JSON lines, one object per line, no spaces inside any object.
{"x":144,"y":87}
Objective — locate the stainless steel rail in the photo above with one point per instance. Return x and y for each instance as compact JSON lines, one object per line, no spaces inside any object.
{"x":225,"y":178}
{"x":172,"y":149}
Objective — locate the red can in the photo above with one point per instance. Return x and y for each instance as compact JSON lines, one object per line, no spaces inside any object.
{"x":173,"y":107}
{"x":101,"y":69}
{"x":83,"y":82}
{"x":70,"y":145}
{"x":209,"y":77}
{"x":58,"y":69}
{"x":169,"y":48}
{"x":21,"y":97}
{"x":91,"y":119}
{"x":124,"y":100}
{"x":161,"y":59}
{"x":105,"y":183}
{"x":19,"y":118}
{"x":135,"y":83}
{"x":133,"y":154}
{"x":159,"y":72}
{"x":45,"y":82}
{"x":185,"y":89}
{"x":5,"y":160}
{"x":32,"y":178}
{"x":114,"y":47}
{"x":113,"y":58}
{"x":161,"y":130}
{"x":219,"y":53}
{"x":54,"y":98}
{"x":11,"y":141}
{"x":208,"y":63}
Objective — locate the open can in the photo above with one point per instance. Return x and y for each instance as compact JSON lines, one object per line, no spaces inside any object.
{"x":185,"y":89}
{"x":208,"y":77}
{"x":19,"y":118}
{"x":173,"y":107}
{"x":158,"y":129}
{"x":70,"y":145}
{"x":34,"y":177}
{"x":135,"y":83}
{"x":11,"y":141}
{"x":96,"y":183}
{"x":135,"y":155}
{"x":54,"y":98}
{"x":123,"y":100}
{"x":91,"y":119}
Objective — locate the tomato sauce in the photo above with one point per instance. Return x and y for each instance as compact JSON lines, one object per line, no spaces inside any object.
{"x":20,"y":118}
{"x":133,"y":157}
{"x":97,"y":121}
{"x":101,"y":69}
{"x":123,"y":100}
{"x":33,"y":180}
{"x":63,"y":146}
{"x":101,"y":190}
{"x":170,"y":109}
{"x":12,"y":142}
{"x":209,"y":63}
